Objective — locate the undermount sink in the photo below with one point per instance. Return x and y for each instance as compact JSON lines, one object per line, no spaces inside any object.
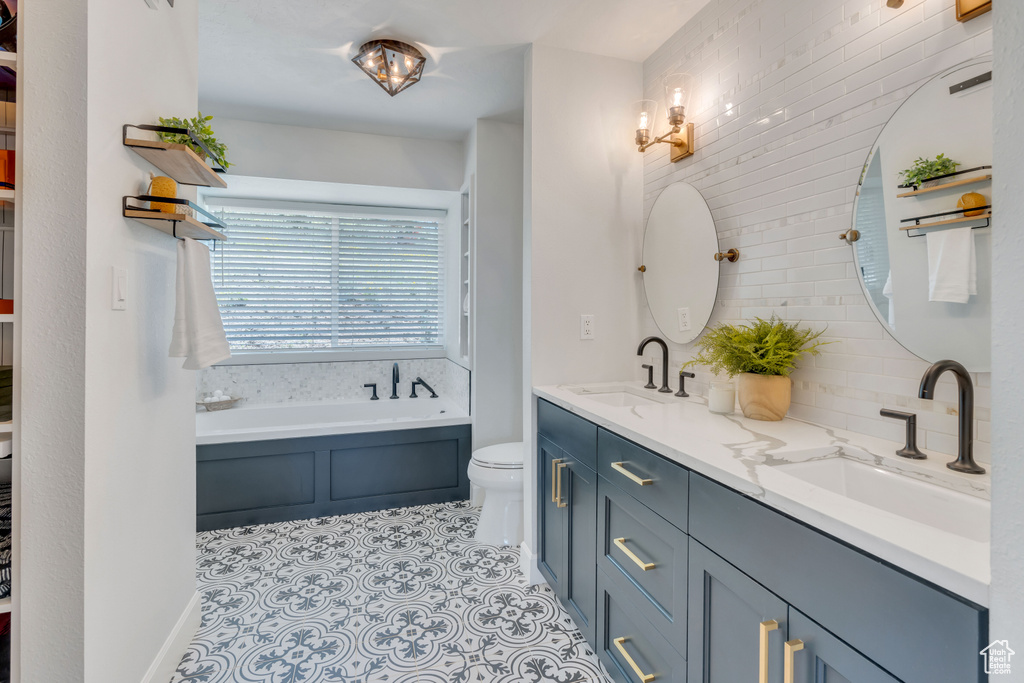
{"x":935,"y":506}
{"x":620,"y":397}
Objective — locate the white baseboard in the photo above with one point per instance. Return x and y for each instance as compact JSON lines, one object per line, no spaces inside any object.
{"x":528,"y":564}
{"x":167,"y":659}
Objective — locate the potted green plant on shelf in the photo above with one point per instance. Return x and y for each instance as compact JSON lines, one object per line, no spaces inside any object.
{"x":761,"y":355}
{"x":926,"y":169}
{"x":200,"y":127}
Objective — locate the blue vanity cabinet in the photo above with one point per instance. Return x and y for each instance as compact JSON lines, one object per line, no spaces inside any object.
{"x":567,"y":502}
{"x":731,"y":628}
{"x":823,"y":658}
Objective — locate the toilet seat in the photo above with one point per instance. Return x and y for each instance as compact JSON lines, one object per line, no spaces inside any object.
{"x":502,"y":456}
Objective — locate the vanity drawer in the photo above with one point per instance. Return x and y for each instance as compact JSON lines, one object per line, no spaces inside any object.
{"x":571,"y":433}
{"x":649,"y":554}
{"x":658,"y":483}
{"x":629,"y":646}
{"x":917,"y":632}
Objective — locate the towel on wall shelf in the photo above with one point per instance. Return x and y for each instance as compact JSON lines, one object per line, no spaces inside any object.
{"x":952,"y":265}
{"x":198,"y":334}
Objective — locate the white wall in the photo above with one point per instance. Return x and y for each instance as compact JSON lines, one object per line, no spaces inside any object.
{"x":49,"y":461}
{"x":496,"y":298}
{"x":791,"y":96}
{"x":272,"y":151}
{"x":1007,"y":330}
{"x":583,"y":190}
{"x":107,"y":517}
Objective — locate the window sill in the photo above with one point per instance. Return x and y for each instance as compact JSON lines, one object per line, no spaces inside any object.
{"x":289,"y":357}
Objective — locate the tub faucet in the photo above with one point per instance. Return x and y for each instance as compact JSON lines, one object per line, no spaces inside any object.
{"x":965,"y":456}
{"x":419,"y":381}
{"x":664,"y":360}
{"x":394,"y":381}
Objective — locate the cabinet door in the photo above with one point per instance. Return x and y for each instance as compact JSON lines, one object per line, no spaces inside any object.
{"x":826,"y":659}
{"x":726,"y":612}
{"x":579,"y":486}
{"x":552,"y":555}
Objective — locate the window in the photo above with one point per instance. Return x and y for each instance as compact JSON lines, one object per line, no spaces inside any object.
{"x":301,"y":277}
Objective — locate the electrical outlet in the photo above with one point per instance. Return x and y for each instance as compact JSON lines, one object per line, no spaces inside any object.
{"x":684,"y":319}
{"x":586,"y":327}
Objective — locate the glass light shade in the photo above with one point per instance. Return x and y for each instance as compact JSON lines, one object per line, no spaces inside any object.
{"x":644,"y":112}
{"x":392,"y":64}
{"x":678,"y":90}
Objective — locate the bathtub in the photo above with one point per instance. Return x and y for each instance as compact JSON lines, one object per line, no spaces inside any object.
{"x":278,"y":462}
{"x":259,"y":422}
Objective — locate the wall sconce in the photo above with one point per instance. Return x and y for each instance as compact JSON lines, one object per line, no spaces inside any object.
{"x":678,"y":88}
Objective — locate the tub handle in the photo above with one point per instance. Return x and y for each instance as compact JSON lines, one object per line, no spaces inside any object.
{"x":373,"y":386}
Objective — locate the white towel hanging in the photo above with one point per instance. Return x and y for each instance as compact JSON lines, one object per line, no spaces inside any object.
{"x":198,"y":334}
{"x":952,"y":265}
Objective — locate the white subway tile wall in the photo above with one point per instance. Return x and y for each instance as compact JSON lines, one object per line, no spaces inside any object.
{"x":302,"y":382}
{"x":791,"y":96}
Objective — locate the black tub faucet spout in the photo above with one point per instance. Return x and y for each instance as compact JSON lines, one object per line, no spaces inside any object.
{"x":394,"y":381}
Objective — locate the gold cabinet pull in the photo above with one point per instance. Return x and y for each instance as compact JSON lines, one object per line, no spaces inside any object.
{"x":792,"y":647}
{"x":645,"y":678}
{"x":558,"y":478}
{"x":620,"y":543}
{"x":554,"y":464}
{"x":766,"y":628}
{"x":618,"y":467}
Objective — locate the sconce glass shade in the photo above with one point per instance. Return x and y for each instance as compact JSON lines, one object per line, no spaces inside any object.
{"x":391,"y":64}
{"x":644,"y":112}
{"x":678,"y":90}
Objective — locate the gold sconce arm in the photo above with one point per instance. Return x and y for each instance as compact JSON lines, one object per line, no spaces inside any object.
{"x":681,"y":139}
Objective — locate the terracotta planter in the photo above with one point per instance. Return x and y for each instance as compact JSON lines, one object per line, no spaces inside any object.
{"x":764,"y":397}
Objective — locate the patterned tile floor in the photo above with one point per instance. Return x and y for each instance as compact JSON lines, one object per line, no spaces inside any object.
{"x":398,"y":596}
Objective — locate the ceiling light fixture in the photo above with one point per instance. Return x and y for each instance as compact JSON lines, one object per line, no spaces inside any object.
{"x":678,"y":88}
{"x":391,"y":64}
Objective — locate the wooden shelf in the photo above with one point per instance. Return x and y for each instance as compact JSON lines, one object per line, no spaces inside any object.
{"x":6,"y":317}
{"x":6,"y":195}
{"x":6,"y":427}
{"x":177,"y":161}
{"x":9,"y":59}
{"x":952,"y":221}
{"x":945,"y":186}
{"x":8,"y":130}
{"x":5,"y":605}
{"x":175,"y":224}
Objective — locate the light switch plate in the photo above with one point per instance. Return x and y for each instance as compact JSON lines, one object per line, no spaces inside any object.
{"x":586,"y":326}
{"x":119,"y":289}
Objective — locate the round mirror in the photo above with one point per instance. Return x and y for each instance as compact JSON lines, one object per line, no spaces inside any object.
{"x":680,"y":271}
{"x":922,"y":258}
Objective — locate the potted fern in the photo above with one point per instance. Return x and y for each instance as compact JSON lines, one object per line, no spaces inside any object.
{"x":761,"y":355}
{"x":200,"y":127}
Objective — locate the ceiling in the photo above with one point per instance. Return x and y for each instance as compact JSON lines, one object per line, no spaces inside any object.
{"x":287,"y":61}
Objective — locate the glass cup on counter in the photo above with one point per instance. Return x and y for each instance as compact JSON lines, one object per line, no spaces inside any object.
{"x":722,"y":397}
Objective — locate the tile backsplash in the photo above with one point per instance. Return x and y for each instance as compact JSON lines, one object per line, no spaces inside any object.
{"x":791,"y":95}
{"x":336,"y":381}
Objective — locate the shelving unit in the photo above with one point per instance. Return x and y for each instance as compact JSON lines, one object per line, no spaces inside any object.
{"x":10,"y":336}
{"x":945,"y":186}
{"x":9,"y":59}
{"x":952,"y":221}
{"x":185,"y":167}
{"x":465,"y":235}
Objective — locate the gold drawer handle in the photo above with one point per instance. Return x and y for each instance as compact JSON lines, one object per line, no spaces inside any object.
{"x":618,"y":467}
{"x":766,"y":628}
{"x":792,"y":647}
{"x":554,"y":464}
{"x":558,"y":499}
{"x":620,"y":543}
{"x":645,"y":678}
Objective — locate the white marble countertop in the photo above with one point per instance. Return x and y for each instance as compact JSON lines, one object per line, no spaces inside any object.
{"x":743,"y":454}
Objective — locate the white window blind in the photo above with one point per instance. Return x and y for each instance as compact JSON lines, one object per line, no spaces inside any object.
{"x":293,"y":278}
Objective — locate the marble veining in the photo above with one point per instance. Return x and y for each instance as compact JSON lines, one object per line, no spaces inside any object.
{"x":744,"y":454}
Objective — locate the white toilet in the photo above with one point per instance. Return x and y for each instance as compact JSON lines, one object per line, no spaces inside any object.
{"x":496,"y":484}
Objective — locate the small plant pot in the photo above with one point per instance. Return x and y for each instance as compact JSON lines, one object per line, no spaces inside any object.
{"x":764,"y":397}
